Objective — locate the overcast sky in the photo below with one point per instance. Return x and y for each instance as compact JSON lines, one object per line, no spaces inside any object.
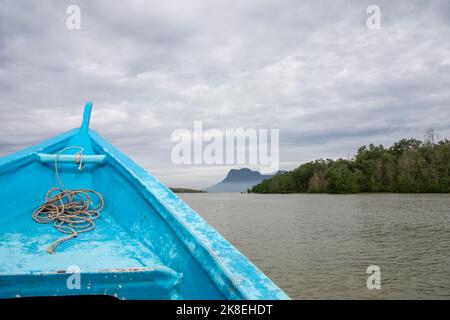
{"x":309,"y":68}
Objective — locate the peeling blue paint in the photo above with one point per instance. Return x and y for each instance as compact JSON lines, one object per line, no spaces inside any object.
{"x":148,"y":244}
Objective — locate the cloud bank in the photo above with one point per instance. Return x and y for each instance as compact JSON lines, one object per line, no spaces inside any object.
{"x":309,"y":68}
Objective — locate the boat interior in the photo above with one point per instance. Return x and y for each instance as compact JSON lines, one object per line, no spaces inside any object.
{"x":130,"y":238}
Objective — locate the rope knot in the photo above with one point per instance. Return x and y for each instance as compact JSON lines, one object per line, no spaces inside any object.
{"x":79,"y":160}
{"x":71,"y":211}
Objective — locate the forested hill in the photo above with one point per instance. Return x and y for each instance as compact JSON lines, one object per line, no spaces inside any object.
{"x":410,"y":165}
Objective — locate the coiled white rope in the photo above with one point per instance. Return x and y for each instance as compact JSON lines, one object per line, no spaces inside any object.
{"x":71,"y":211}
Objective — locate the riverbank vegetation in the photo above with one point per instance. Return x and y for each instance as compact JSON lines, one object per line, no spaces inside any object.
{"x":409,"y":166}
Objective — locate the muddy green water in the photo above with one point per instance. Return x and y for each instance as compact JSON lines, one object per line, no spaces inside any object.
{"x":319,"y":246}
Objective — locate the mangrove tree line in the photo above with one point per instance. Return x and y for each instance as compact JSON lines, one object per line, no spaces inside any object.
{"x":410,"y":165}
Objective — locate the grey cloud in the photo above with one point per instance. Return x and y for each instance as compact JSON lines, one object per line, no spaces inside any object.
{"x":310,"y":68}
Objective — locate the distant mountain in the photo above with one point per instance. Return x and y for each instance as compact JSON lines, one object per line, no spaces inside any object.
{"x":238,"y":180}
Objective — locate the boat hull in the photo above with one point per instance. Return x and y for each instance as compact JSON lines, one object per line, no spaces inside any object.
{"x":148,"y":244}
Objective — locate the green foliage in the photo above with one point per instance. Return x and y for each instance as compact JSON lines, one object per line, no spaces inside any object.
{"x":341,"y":179}
{"x":410,"y":165}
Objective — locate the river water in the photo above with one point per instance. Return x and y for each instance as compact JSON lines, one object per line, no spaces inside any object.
{"x":318,"y":246}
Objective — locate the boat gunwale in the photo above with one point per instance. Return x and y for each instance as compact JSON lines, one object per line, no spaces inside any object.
{"x":28,"y":155}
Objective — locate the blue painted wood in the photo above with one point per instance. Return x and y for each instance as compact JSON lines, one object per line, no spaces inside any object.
{"x":66,"y":158}
{"x":148,"y":244}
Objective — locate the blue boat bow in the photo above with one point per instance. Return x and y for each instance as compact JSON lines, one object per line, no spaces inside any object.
{"x":148,"y":244}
